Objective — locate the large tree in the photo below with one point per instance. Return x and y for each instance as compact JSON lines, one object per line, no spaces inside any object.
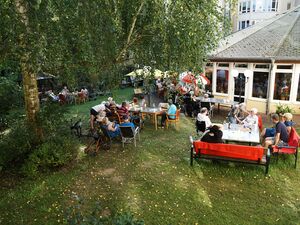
{"x":81,"y":40}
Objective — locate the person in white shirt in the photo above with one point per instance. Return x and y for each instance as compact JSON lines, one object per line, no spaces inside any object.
{"x":203,"y":116}
{"x":94,"y":112}
{"x":251,"y":119}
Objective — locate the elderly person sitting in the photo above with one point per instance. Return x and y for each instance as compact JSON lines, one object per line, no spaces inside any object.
{"x":112,"y":128}
{"x":251,"y":119}
{"x":203,"y":117}
{"x":288,"y":121}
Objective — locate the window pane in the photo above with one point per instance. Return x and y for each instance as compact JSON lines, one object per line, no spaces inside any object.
{"x":298,"y":93}
{"x":208,"y":74}
{"x":285,"y":67}
{"x":260,"y":84}
{"x":254,"y":5}
{"x":222,"y":81}
{"x":282,"y":86}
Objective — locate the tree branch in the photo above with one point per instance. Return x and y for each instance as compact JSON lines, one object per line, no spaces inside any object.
{"x":129,"y":42}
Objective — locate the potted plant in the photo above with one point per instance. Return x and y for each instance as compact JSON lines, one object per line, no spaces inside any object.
{"x":282,"y":109}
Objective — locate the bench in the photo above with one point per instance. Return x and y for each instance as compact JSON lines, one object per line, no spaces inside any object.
{"x":230,"y":152}
{"x":291,"y":149}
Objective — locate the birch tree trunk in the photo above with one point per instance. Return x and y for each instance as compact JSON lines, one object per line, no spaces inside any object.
{"x":32,"y":103}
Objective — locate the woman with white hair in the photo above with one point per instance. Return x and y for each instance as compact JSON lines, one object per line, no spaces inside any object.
{"x":287,"y":120}
{"x":252,"y":118}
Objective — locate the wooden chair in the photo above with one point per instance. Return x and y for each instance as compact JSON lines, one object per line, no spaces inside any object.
{"x":62,"y":99}
{"x":115,"y":117}
{"x":80,"y":98}
{"x":175,"y":121}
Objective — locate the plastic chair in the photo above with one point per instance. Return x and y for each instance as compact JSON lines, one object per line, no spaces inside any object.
{"x":128,"y":134}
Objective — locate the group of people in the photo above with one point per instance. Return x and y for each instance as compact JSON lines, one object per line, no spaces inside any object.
{"x":276,"y":135}
{"x":102,"y":114}
{"x":65,"y":96}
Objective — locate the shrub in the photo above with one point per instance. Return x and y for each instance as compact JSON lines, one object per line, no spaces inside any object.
{"x":21,"y":147}
{"x":16,"y":144}
{"x":282,"y":109}
{"x":53,"y":153}
{"x":11,"y":96}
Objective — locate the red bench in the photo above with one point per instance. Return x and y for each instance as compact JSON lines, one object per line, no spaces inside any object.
{"x":291,"y":149}
{"x":230,"y":152}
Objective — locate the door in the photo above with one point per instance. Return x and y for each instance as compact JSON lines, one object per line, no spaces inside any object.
{"x":239,"y":88}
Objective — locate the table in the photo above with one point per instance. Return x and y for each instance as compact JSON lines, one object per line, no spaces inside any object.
{"x":238,"y":133}
{"x":147,"y":111}
{"x":217,"y":101}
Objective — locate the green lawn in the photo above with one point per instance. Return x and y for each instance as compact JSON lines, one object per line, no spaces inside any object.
{"x":155,"y":182}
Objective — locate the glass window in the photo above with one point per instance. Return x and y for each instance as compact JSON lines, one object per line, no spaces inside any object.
{"x":244,"y":7}
{"x":285,"y":67}
{"x":260,"y":84}
{"x":298,"y":93}
{"x":243,"y":24}
{"x":282,"y":86}
{"x":274,"y":5}
{"x":241,"y":65}
{"x":288,"y":6}
{"x":208,"y":74}
{"x":222,"y":81}
{"x":223,"y":65}
{"x":262,"y":66}
{"x":254,"y":5}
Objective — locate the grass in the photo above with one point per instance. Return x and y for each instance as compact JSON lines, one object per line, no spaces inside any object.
{"x":155,"y":182}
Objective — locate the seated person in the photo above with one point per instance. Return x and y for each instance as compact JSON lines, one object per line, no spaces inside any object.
{"x":281,"y":134}
{"x":172,"y":111}
{"x":232,"y":115}
{"x":135,"y":101}
{"x":53,"y":97}
{"x":251,"y":119}
{"x":213,"y":135}
{"x":112,"y":128}
{"x":288,"y":121}
{"x":127,"y":122}
{"x":143,"y":102}
{"x":123,"y":110}
{"x":203,"y":116}
{"x":242,"y":113}
{"x":94,"y":111}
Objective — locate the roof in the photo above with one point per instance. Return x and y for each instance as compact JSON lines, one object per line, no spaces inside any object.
{"x":277,"y":38}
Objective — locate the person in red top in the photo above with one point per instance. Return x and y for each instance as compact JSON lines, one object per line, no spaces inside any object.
{"x":123,"y":110}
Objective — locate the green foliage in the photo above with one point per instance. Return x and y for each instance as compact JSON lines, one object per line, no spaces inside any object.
{"x":10,"y":95}
{"x":16,"y":144}
{"x":281,"y":109}
{"x":51,"y":154}
{"x":56,"y":148}
{"x":77,"y":215}
{"x":90,"y":41}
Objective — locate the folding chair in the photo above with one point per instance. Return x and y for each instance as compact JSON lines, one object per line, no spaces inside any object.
{"x":128,"y":134}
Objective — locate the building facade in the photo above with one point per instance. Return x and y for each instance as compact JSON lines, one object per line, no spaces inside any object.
{"x":260,"y":65}
{"x":250,"y":12}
